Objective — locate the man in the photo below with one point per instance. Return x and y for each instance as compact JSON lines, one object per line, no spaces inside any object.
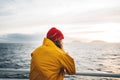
{"x":50,"y":61}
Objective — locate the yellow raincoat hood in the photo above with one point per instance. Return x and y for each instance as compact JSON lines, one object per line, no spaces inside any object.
{"x":49,"y":62}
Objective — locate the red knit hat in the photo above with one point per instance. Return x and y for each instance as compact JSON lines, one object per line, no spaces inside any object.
{"x":55,"y":34}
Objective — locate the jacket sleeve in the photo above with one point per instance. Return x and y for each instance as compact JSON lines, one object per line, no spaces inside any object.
{"x":68,"y":64}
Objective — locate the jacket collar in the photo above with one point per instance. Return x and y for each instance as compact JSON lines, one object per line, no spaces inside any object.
{"x":48,"y":42}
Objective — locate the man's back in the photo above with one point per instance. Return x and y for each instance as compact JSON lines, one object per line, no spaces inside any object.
{"x":50,"y":62}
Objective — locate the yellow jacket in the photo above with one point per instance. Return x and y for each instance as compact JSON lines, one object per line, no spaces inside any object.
{"x":50,"y":62}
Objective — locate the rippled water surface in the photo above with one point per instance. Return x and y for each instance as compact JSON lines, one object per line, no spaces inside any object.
{"x":102,"y":57}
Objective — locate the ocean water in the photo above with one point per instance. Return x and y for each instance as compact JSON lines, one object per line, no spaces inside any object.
{"x":89,"y":57}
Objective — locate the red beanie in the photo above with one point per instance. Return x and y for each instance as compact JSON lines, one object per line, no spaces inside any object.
{"x":55,"y":34}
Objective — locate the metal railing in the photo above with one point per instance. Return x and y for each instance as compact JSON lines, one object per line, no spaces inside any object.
{"x":26,"y":71}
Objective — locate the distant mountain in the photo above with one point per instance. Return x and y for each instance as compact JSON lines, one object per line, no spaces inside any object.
{"x":19,"y":38}
{"x":98,"y":41}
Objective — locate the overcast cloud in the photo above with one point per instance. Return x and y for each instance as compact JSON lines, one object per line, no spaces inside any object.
{"x":71,"y":16}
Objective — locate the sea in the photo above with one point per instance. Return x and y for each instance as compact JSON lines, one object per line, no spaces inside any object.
{"x":88,"y":57}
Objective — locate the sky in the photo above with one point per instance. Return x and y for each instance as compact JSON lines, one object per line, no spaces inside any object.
{"x":82,"y":20}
